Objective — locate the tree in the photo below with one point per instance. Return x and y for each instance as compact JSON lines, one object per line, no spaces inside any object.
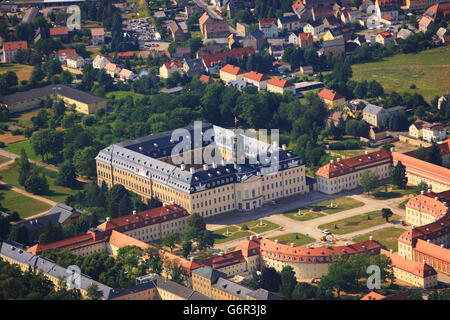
{"x":422,"y":186}
{"x":415,"y":296}
{"x":434,"y":154}
{"x":93,"y":292}
{"x":421,"y":153}
{"x":175,"y":271}
{"x":196,"y":221}
{"x":270,"y":279}
{"x":36,"y":184}
{"x":84,"y":162}
{"x":399,"y":177}
{"x":369,"y":181}
{"x":254,"y":283}
{"x":386,"y":213}
{"x":340,"y":277}
{"x":169,"y":240}
{"x":304,"y":291}
{"x":24,"y":167}
{"x":19,"y":233}
{"x":66,"y":175}
{"x":186,"y":248}
{"x":47,"y":141}
{"x":154,"y":261}
{"x":288,"y":282}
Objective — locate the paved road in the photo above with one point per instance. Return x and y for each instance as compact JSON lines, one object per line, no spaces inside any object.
{"x":310,"y":227}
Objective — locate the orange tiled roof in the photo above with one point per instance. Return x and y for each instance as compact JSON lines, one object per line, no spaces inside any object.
{"x":171,"y":64}
{"x":125,"y":54}
{"x":233,"y":70}
{"x":297,"y":4}
{"x":205,"y":16}
{"x":59,"y":31}
{"x":15,"y":45}
{"x":256,"y":76}
{"x":429,"y":231}
{"x":342,"y":167}
{"x":220,"y":57}
{"x":281,"y":83}
{"x":330,"y":95}
{"x":267,"y":21}
{"x":373,"y":296}
{"x":419,"y":269}
{"x":97,"y":32}
{"x":304,"y":36}
{"x":432,"y":250}
{"x":121,"y":240}
{"x":204,"y":78}
{"x":425,"y":203}
{"x":223,"y":261}
{"x":65,"y":52}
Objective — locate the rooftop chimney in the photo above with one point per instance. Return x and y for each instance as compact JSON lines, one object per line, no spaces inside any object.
{"x":429,"y":190}
{"x":366,"y":152}
{"x":276,"y":241}
{"x":392,"y":149}
{"x":436,"y":198}
{"x":442,"y":245}
{"x":347,"y":243}
{"x":428,"y":241}
{"x":283,"y":146}
{"x":371,"y":238}
{"x":214,"y":165}
{"x":192,"y":170}
{"x":108,"y":218}
{"x":134,"y":212}
{"x":205,"y":167}
{"x":331,"y":161}
{"x":292,"y":244}
{"x":390,"y":251}
{"x":338,"y":159}
{"x":422,"y":192}
{"x":183,"y":166}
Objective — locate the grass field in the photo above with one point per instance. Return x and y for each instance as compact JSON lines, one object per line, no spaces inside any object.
{"x":387,"y":236}
{"x":358,"y":222}
{"x":123,"y":94}
{"x":429,"y":70}
{"x":57,"y":193}
{"x":22,"y":71}
{"x":4,"y":159}
{"x":221,"y":236}
{"x":393,"y":192}
{"x":24,"y":205}
{"x":298,"y":239}
{"x":17,"y":147}
{"x":255,"y":226}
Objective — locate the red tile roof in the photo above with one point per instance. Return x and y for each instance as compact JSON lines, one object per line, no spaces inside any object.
{"x":65,"y":52}
{"x":171,"y":64}
{"x":256,"y":76}
{"x":433,"y":250}
{"x":362,"y":162}
{"x":97,"y":32}
{"x":125,"y":54}
{"x":220,"y":57}
{"x":233,"y":70}
{"x":59,"y":31}
{"x":223,"y":261}
{"x":419,"y":124}
{"x":204,"y":78}
{"x":205,"y":16}
{"x":268,"y":21}
{"x":419,"y":269}
{"x":427,"y":204}
{"x":330,"y":95}
{"x":280,"y":83}
{"x":305,"y":36}
{"x":429,"y":231}
{"x":373,"y":296}
{"x":15,"y":45}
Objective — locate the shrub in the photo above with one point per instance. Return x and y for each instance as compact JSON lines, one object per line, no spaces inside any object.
{"x":244,"y":227}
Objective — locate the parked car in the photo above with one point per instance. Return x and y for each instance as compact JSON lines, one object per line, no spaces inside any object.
{"x":326,"y":231}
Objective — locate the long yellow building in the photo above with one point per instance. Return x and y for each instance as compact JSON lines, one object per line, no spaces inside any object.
{"x":146,"y":167}
{"x":81,"y":101}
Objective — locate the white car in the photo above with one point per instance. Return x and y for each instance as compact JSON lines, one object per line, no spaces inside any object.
{"x":326,"y":231}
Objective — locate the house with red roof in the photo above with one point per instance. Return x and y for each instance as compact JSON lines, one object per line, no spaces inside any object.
{"x":342,"y":175}
{"x":438,"y":10}
{"x":129,"y":55}
{"x":126,"y":75}
{"x":259,"y":80}
{"x":213,"y":28}
{"x":168,"y":68}
{"x":74,"y":60}
{"x":213,"y":62}
{"x":305,"y":39}
{"x":97,"y":36}
{"x":279,"y":85}
{"x":331,"y":98}
{"x":230,"y":72}
{"x":426,"y":23}
{"x":10,"y":49}
{"x":60,"y":32}
{"x":384,"y":38}
{"x":418,"y":274}
{"x":62,"y":54}
{"x":269,"y":26}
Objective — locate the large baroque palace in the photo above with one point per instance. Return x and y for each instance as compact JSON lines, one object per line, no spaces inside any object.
{"x":239,"y":178}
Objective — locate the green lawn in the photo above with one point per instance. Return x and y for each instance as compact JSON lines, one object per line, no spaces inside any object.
{"x":388,"y":237}
{"x":24,"y":205}
{"x":17,"y":147}
{"x":344,"y":154}
{"x":358,"y":222}
{"x":123,"y":94}
{"x":255,"y":226}
{"x":220,"y":235}
{"x":298,"y":239}
{"x":429,"y":70}
{"x":4,"y":159}
{"x":393,"y":192}
{"x":57,"y":193}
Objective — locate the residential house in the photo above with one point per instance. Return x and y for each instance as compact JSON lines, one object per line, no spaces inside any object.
{"x":269,"y":26}
{"x":213,"y":62}
{"x":288,"y":23}
{"x":434,"y":132}
{"x":213,"y":28}
{"x":209,"y":49}
{"x":168,"y":68}
{"x":375,"y":115}
{"x":320,"y":12}
{"x":384,"y":38}
{"x":239,"y":84}
{"x":177,"y":32}
{"x":230,"y":72}
{"x":386,"y":8}
{"x":276,"y":51}
{"x":360,"y":40}
{"x":333,"y":33}
{"x":112,"y":69}
{"x":306,"y":69}
{"x":377,"y":134}
{"x":350,"y":47}
{"x":293,"y":39}
{"x":62,"y":54}
{"x":404,"y":34}
{"x":438,"y":10}
{"x":182,"y":53}
{"x":255,"y":39}
{"x":10,"y":49}
{"x":193,"y":67}
{"x":241,"y":29}
{"x":387,"y":20}
{"x":99,"y":62}
{"x":441,"y":33}
{"x":74,"y":61}
{"x":331,"y":98}
{"x":278,"y":85}
{"x":335,"y":46}
{"x":426,"y":23}
{"x":126,"y":75}
{"x":350,"y":15}
{"x":97,"y":36}
{"x":259,"y":80}
{"x":305,"y":40}
{"x":129,"y":55}
{"x":60,"y":32}
{"x":415,"y":130}
{"x":416,"y":4}
{"x":282,"y":67}
{"x":233,"y":41}
{"x":207,"y":79}
{"x":315,"y":28}
{"x":189,"y":11}
{"x":331,"y":22}
{"x":301,"y":11}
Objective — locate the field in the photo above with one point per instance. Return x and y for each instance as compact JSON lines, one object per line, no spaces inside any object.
{"x":387,"y":236}
{"x":123,"y":94}
{"x":4,"y":159}
{"x":429,"y":70}
{"x":255,"y":226}
{"x":298,"y":239}
{"x":393,"y":192}
{"x":24,"y":205}
{"x":358,"y":222}
{"x":22,"y":71}
{"x":17,"y":147}
{"x":236,"y":231}
{"x":57,"y":193}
